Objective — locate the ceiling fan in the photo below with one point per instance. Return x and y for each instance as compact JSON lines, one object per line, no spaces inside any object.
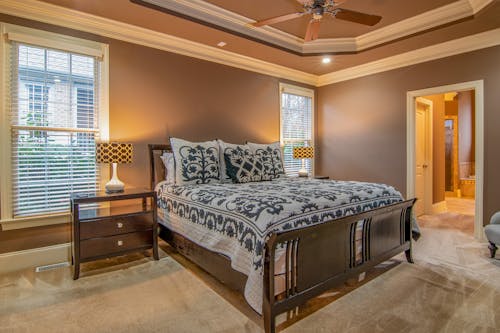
{"x":320,"y":9}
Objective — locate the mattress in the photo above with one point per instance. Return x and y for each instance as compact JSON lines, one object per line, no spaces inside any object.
{"x":236,"y":219}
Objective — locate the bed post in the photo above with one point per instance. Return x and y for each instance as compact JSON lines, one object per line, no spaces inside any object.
{"x":268,"y":287}
{"x":408,"y":231}
{"x":152,"y":166}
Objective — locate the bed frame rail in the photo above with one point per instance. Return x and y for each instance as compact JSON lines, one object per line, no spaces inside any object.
{"x":322,"y":256}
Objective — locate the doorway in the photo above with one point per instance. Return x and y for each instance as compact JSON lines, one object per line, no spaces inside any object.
{"x":457,"y":180}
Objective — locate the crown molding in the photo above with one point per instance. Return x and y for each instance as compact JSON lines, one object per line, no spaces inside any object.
{"x":425,"y":21}
{"x":478,"y":5}
{"x":446,"y":49}
{"x":217,"y":16}
{"x":220,"y":17}
{"x":326,"y":45}
{"x":72,"y":19}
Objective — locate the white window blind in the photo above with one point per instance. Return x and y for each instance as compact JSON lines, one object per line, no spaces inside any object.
{"x":296,"y":126}
{"x":54,"y":126}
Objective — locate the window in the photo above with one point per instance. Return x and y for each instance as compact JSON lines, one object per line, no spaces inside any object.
{"x":54,"y":119}
{"x":297,"y":119}
{"x":37,"y":104}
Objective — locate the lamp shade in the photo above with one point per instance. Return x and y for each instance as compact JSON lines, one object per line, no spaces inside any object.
{"x":114,"y":152}
{"x":303,"y":152}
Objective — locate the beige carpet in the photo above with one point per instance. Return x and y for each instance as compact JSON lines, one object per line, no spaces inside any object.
{"x":146,"y":297}
{"x":452,"y":287}
{"x":449,"y":220}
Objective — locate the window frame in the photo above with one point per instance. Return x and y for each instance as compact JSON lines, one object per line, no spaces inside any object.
{"x":56,"y":41}
{"x":300,"y":91}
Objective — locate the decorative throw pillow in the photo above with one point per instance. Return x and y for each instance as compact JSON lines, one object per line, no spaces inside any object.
{"x":271,"y":157}
{"x":168,"y":161}
{"x":240,"y":164}
{"x":195,"y":162}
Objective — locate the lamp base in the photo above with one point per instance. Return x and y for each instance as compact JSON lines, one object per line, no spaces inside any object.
{"x":114,"y":191}
{"x":303,"y":173}
{"x":115,"y":185}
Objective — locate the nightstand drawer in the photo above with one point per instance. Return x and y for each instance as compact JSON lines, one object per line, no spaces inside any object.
{"x":97,"y":247}
{"x":115,"y":226}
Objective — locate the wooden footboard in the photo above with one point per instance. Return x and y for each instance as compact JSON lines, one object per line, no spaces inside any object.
{"x":322,"y":256}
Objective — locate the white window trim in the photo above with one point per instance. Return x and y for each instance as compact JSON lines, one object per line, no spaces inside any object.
{"x":301,"y":91}
{"x":50,"y":40}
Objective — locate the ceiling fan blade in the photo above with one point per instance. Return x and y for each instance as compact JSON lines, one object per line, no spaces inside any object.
{"x":312,"y":30}
{"x":305,"y":2}
{"x":352,"y":16}
{"x":277,"y":19}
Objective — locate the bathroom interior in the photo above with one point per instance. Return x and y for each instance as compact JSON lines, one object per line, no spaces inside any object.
{"x":454,"y":127}
{"x":460,"y":145}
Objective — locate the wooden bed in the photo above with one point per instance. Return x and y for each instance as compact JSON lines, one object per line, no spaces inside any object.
{"x":318,"y":257}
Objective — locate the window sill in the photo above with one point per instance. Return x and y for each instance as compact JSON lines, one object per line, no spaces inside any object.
{"x":35,"y":221}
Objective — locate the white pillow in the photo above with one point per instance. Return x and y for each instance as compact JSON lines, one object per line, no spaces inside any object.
{"x":195,"y":162}
{"x":271,"y":157}
{"x":168,"y":161}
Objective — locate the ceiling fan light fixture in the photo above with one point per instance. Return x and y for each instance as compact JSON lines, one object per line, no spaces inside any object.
{"x":326,"y":60}
{"x":318,"y":10}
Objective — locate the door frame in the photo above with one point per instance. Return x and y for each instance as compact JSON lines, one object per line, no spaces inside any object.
{"x":428,"y":171}
{"x":478,"y":87}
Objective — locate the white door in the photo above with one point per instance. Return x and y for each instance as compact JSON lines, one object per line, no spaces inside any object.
{"x":421,"y":157}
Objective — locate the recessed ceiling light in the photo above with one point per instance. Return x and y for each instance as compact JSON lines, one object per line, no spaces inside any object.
{"x":326,"y":60}
{"x":221,"y":44}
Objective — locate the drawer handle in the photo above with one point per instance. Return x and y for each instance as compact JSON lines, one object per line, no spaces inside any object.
{"x":119,"y":243}
{"x":119,"y":225}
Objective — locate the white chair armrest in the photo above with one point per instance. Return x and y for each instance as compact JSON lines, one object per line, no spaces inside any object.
{"x":495,"y":219}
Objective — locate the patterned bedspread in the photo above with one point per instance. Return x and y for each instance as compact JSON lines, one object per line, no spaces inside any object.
{"x":236,"y":219}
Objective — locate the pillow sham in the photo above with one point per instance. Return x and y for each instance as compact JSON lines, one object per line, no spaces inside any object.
{"x":271,"y":157}
{"x":240,"y":164}
{"x":168,"y":162}
{"x":195,"y":162}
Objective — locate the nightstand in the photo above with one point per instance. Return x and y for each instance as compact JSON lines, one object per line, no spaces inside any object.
{"x":112,"y":231}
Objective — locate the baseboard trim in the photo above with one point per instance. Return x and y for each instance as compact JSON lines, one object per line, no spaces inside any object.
{"x":439,"y":207}
{"x":19,"y":260}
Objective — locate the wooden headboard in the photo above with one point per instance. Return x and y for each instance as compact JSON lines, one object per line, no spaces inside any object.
{"x":156,"y":166}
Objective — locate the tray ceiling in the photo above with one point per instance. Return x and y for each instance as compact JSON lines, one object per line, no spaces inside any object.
{"x":399,"y":32}
{"x":392,"y":11}
{"x":400,"y":19}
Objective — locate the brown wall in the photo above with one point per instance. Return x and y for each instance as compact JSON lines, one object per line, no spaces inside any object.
{"x":362,"y":122}
{"x":155,"y":94}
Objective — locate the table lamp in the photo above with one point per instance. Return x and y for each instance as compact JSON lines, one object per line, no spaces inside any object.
{"x":114,"y":152}
{"x":303,"y":153}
